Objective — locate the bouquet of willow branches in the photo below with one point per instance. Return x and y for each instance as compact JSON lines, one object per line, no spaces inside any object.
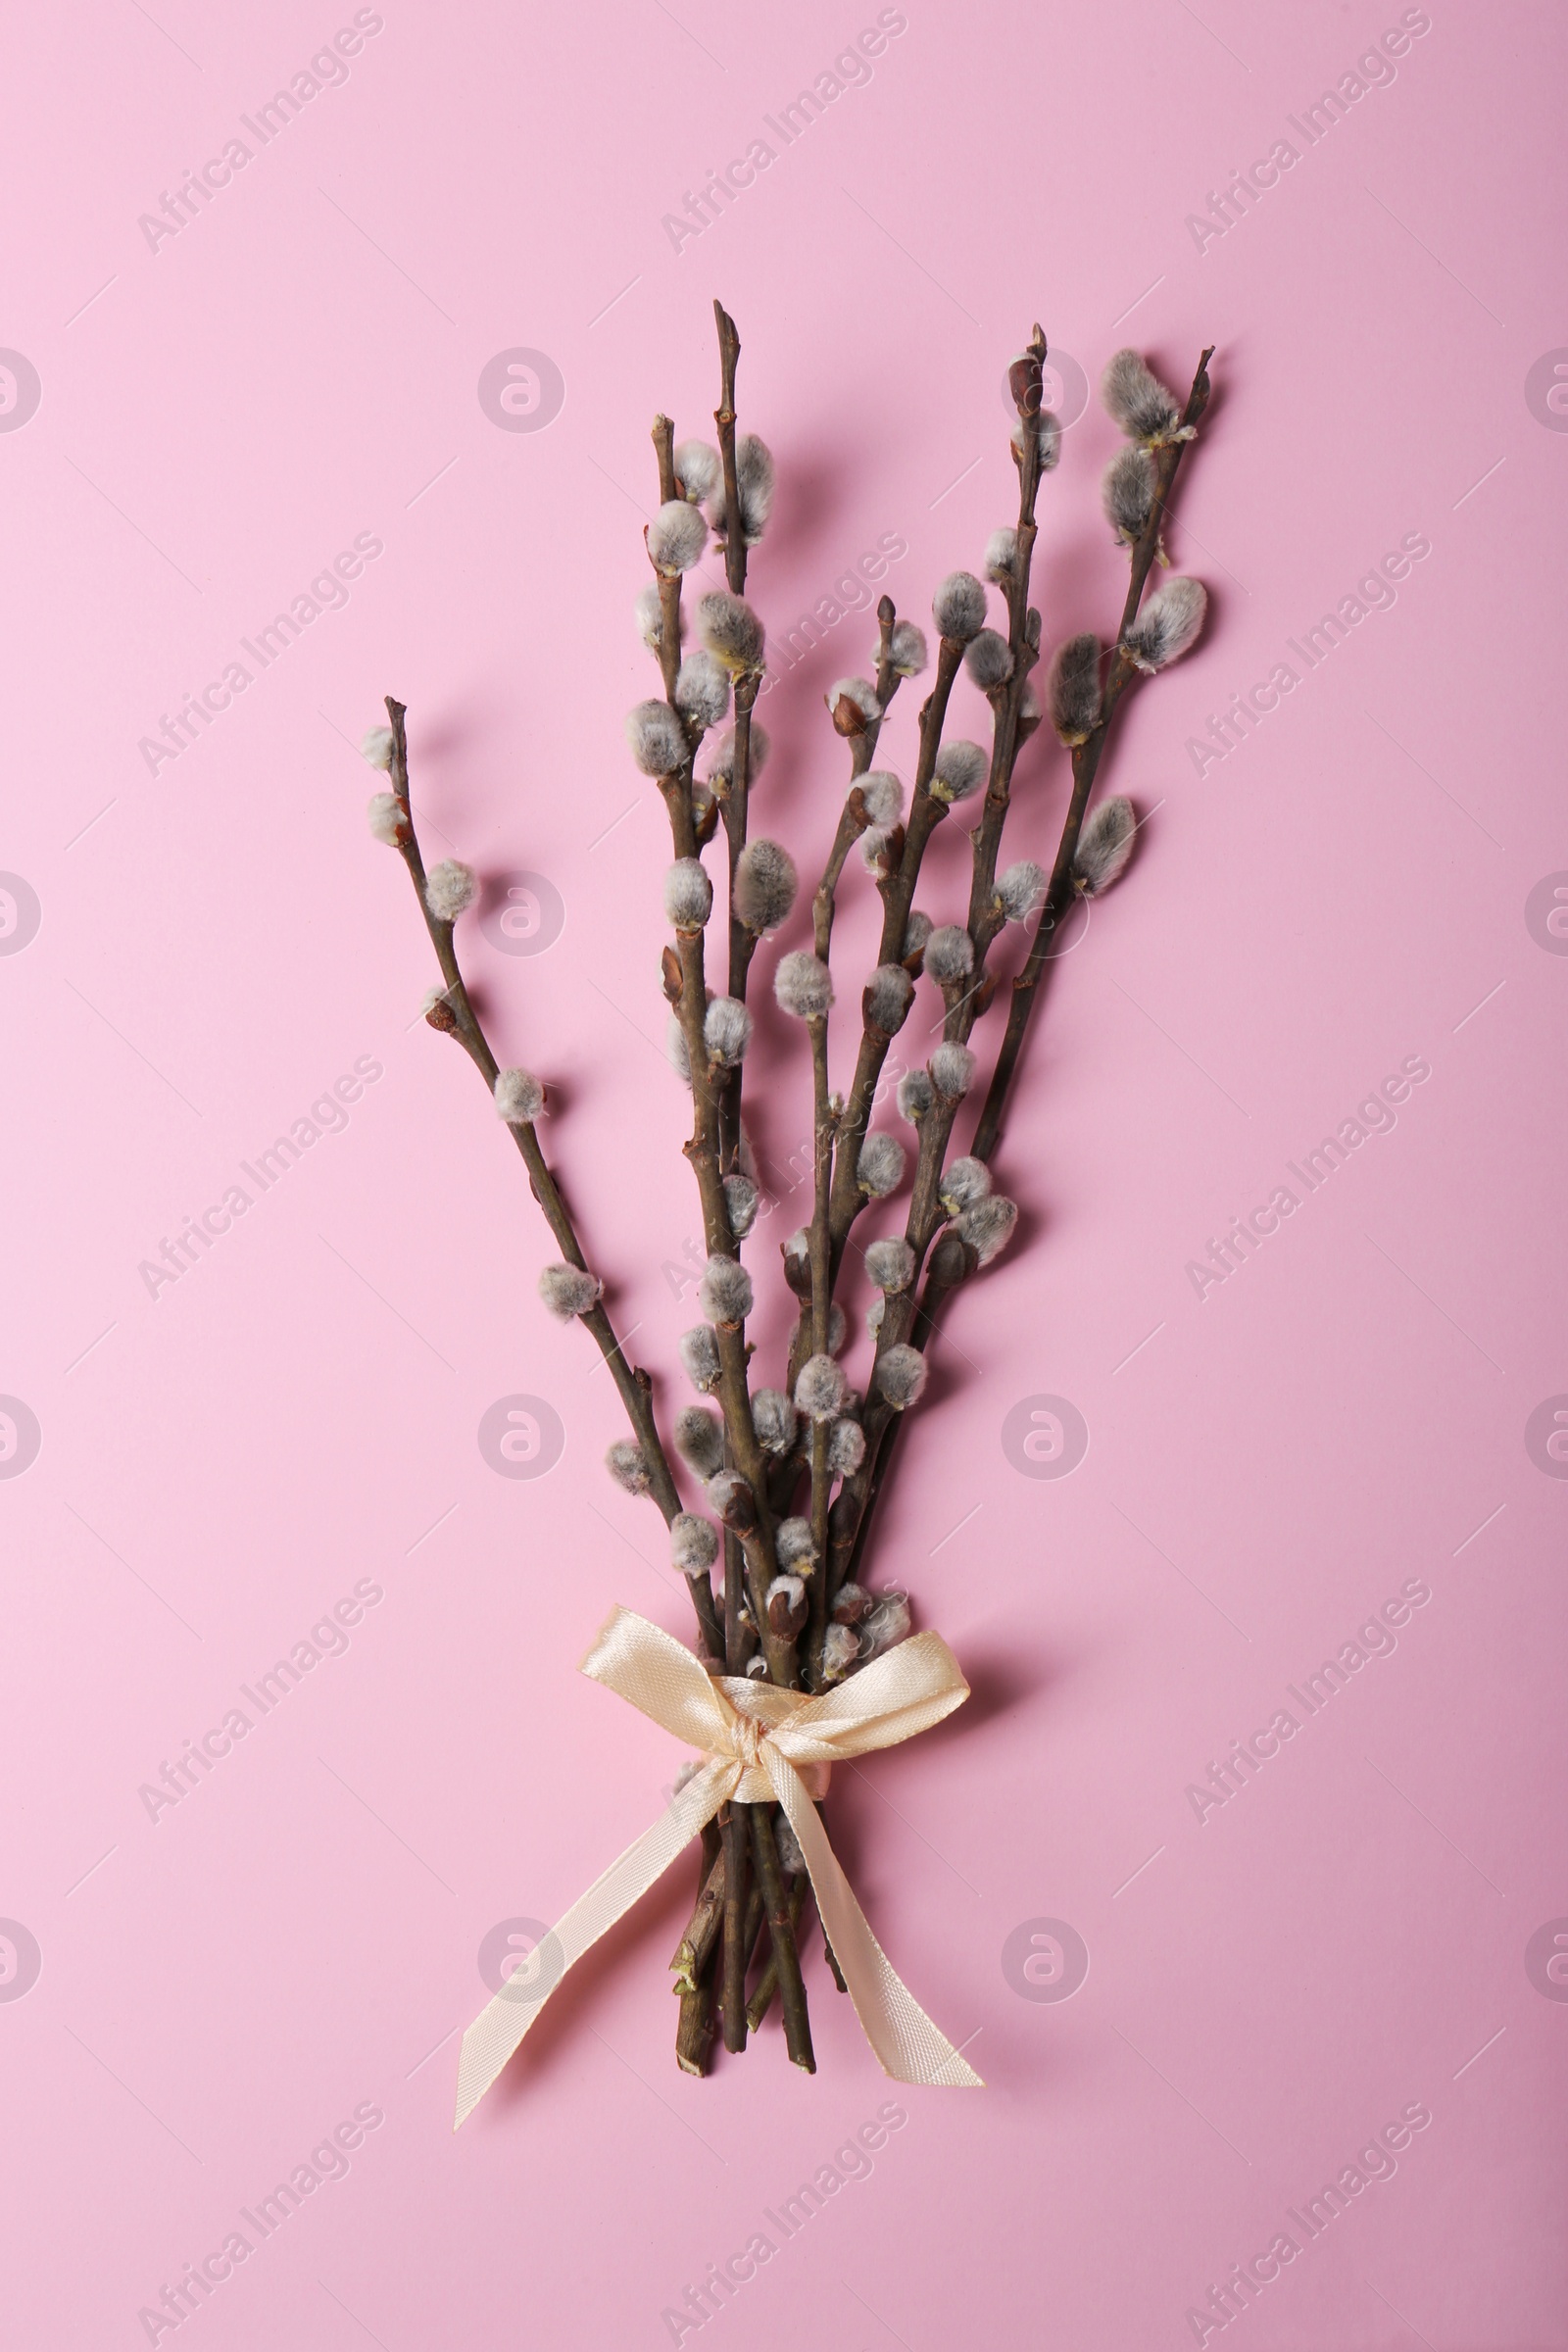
{"x":790,"y":1473}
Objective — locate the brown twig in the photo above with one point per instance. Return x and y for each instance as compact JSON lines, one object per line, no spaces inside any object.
{"x":632,"y":1381}
{"x":696,"y":1946}
{"x":781,"y":1931}
{"x":897,"y":897}
{"x":737,"y":1946}
{"x":761,"y":2000}
{"x":694,"y":2028}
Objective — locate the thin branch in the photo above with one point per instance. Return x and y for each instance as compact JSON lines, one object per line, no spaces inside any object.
{"x":634,"y":1385}
{"x":1085,"y":765}
{"x":781,"y":1932}
{"x":897,"y":897}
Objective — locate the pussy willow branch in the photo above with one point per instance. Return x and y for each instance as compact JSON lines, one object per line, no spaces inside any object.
{"x":963,"y":1004}
{"x":634,"y":1385}
{"x":1085,"y":765}
{"x":897,"y":897}
{"x":734,"y":812}
{"x":713,"y":1151}
{"x":704,"y":1152}
{"x":853,"y":821}
{"x":735,"y":804}
{"x":942,"y":1280}
{"x":825,"y":1116}
{"x":693,"y":2030}
{"x":742,"y":945}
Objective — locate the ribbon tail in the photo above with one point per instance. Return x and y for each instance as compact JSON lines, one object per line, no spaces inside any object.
{"x":498,"y":2030}
{"x":908,"y":2046}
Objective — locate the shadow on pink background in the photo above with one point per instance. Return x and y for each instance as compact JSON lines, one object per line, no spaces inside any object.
{"x":199,"y":947}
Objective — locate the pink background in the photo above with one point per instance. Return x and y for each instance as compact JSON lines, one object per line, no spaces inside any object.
{"x":1267,"y":1465}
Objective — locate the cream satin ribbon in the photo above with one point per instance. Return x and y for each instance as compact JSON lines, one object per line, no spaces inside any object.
{"x":761,"y":1743}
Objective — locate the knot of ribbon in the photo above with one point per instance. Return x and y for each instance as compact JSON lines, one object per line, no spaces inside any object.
{"x":762,"y":1746}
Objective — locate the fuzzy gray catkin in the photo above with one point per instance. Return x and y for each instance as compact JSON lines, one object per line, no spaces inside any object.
{"x":700,"y":1439}
{"x":949,"y":956}
{"x":1072,"y":687}
{"x":1104,"y":845}
{"x":1166,"y":626}
{"x":959,"y":607}
{"x":960,"y":767}
{"x":649,"y":617}
{"x":1020,"y":889}
{"x":964,"y":1183}
{"x":774,"y":1419}
{"x":753,"y":488}
{"x":732,"y":631}
{"x":699,"y":1354}
{"x":657,"y":738}
{"x":802,"y":985}
{"x":846,"y":1447}
{"x":890,"y":1263}
{"x":1047,"y":438}
{"x":1002,"y":554}
{"x":879,"y":1170}
{"x":952,"y":1069}
{"x":449,"y":888}
{"x":724,"y":1292}
{"x":906,"y":649}
{"x":627,"y":1465}
{"x":385,"y":814}
{"x":1127,"y":493}
{"x":876,"y":852}
{"x":987,"y":658}
{"x":688,"y":893}
{"x":792,"y":1544}
{"x":702,"y":688}
{"x":819,"y":1388}
{"x":840,"y":1644}
{"x":899,"y":1377}
{"x":569,"y":1290}
{"x":1138,"y":402}
{"x":742,"y":1200}
{"x":699,"y":470}
{"x":518,"y":1097}
{"x":676,"y":537}
{"x":881,"y":797}
{"x":916,"y":1095}
{"x":886,"y":999}
{"x":987,"y":1226}
{"x":693,"y":1543}
{"x":765,"y":883}
{"x":726,"y":1031}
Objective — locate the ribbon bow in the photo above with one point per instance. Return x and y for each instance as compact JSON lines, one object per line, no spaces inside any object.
{"x":762,"y":1744}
